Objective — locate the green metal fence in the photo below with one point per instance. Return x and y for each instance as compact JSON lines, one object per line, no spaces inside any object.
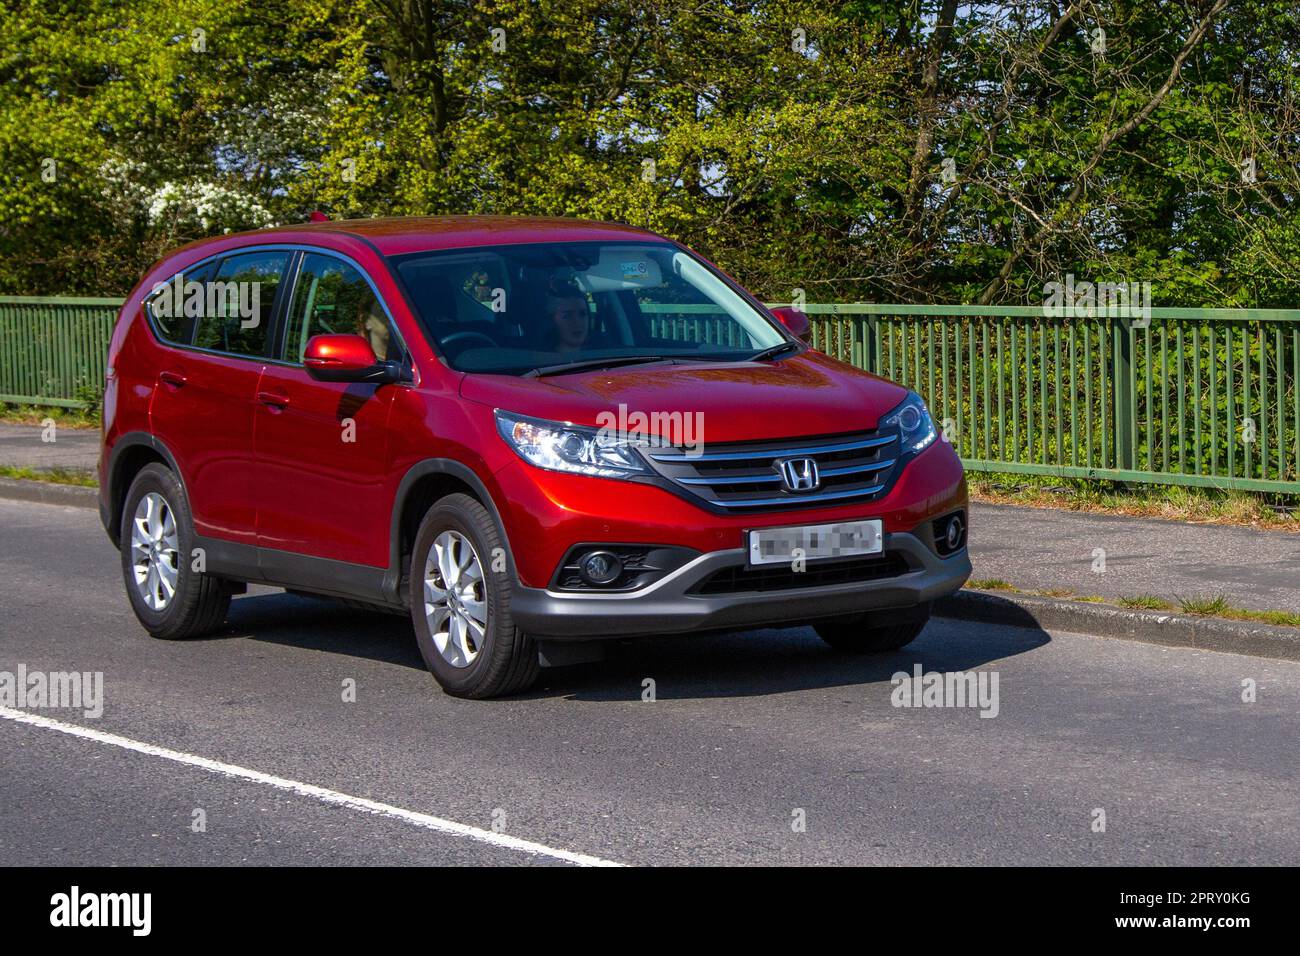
{"x":1193,"y":396}
{"x":1196,"y":396}
{"x":52,"y":349}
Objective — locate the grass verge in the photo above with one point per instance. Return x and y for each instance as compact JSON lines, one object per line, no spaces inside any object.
{"x":56,"y":476}
{"x":1203,"y":505}
{"x":38,"y":414}
{"x":1145,"y":602}
{"x":1215,"y":606}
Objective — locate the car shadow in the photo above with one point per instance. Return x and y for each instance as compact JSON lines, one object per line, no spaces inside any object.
{"x":320,"y":624}
{"x":751,"y":663}
{"x":770,"y":661}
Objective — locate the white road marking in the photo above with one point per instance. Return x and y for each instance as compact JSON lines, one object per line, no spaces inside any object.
{"x":323,"y":794}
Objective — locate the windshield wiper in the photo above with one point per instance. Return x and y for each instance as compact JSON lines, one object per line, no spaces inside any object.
{"x":773,"y":351}
{"x":590,"y":364}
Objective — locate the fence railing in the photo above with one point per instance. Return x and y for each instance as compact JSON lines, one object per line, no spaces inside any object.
{"x":1187,"y":396}
{"x":1205,"y":397}
{"x":52,"y":349}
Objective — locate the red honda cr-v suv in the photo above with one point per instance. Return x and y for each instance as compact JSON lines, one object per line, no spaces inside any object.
{"x":525,"y":433}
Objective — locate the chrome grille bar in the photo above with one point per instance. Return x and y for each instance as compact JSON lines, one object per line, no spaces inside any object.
{"x":776,"y":479}
{"x":797,"y":500}
{"x":681,"y":457}
{"x":742,"y":477}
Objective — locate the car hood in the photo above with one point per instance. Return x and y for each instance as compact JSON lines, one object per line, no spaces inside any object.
{"x":804,"y":395}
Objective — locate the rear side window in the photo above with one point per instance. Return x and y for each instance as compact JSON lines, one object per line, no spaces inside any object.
{"x":332,"y":298}
{"x":238,"y":303}
{"x":172,"y":318}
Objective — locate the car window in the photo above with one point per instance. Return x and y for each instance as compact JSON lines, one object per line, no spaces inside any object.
{"x":460,"y":293}
{"x":239,"y":302}
{"x":333,"y":298}
{"x":176,"y":303}
{"x":682,"y":312}
{"x":510,"y":309}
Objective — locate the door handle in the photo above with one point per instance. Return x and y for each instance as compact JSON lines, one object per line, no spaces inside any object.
{"x":172,"y":380}
{"x":273,"y":399}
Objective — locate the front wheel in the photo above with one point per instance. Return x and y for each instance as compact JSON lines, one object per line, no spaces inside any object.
{"x":460,"y":594}
{"x":870,"y":634}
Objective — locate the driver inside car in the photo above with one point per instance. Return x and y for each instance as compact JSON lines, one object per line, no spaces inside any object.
{"x":569,"y":317}
{"x":374,"y":327}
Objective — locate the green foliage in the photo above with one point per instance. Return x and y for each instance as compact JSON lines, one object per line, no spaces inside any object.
{"x":1145,"y":602}
{"x":17,"y":414}
{"x":1209,"y":606}
{"x":990,"y":584}
{"x":58,"y":476}
{"x":90,"y":398}
{"x":800,"y":145}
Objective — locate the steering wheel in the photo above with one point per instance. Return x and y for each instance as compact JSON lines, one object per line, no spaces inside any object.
{"x":456,"y":337}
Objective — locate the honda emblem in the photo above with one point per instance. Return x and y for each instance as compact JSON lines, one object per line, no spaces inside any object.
{"x":799,"y":474}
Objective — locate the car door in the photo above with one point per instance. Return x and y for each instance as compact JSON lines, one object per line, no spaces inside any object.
{"x":322,"y":447}
{"x":202,"y":408}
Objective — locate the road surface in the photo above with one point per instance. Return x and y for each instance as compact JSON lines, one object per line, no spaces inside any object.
{"x":748,"y":736}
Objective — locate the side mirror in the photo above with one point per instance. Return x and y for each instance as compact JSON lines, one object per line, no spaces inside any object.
{"x":794,"y":320}
{"x":346,"y":358}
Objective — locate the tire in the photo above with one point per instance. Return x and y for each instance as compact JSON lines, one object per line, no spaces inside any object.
{"x":494,"y":658}
{"x":868,"y":634}
{"x":198,"y":602}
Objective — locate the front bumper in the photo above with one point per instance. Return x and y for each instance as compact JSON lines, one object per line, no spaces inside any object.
{"x":668,"y":606}
{"x":545,"y":513}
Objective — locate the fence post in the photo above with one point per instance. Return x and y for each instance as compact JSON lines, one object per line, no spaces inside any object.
{"x":1122,"y":386}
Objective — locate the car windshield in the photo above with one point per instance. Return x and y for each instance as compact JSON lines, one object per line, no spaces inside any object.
{"x":540,"y":308}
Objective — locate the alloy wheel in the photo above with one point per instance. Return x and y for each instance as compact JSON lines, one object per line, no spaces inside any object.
{"x":455,"y":598}
{"x":155,"y":551}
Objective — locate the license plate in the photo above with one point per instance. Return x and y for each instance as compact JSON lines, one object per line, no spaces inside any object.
{"x":844,"y":539}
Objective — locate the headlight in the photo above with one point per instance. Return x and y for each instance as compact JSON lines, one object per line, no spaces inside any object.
{"x":912,"y":419}
{"x":571,"y":448}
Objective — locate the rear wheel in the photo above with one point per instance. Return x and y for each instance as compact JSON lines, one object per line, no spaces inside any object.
{"x":460,"y":595}
{"x":171,"y":599}
{"x":874,"y":633}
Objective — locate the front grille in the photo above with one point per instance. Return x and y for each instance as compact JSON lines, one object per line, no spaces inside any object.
{"x":740,"y":579}
{"x":745,"y":476}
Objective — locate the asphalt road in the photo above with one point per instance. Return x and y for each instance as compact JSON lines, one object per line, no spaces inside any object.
{"x":747,"y":731}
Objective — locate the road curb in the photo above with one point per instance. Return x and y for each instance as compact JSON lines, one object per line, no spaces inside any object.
{"x":49,"y":492}
{"x":1103,"y":620}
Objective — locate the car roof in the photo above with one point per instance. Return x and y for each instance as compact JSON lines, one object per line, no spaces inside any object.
{"x":400,"y":235}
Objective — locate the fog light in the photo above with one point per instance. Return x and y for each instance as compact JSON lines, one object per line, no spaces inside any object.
{"x":953,"y":533}
{"x":600,"y":568}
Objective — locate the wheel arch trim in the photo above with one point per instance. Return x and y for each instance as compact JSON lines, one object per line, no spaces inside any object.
{"x":114,"y":495}
{"x":422,"y":469}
